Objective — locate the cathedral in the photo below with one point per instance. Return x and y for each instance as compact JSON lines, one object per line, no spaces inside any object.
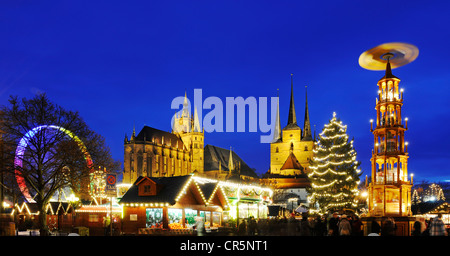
{"x":156,"y":153}
{"x":291,"y":148}
{"x":290,"y":153}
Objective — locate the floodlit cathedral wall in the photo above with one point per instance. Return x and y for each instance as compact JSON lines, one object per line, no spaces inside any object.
{"x":154,"y":159}
{"x":156,"y":153}
{"x":291,"y":141}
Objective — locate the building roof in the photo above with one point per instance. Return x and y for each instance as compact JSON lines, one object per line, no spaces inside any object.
{"x":155,"y":135}
{"x":51,"y":208}
{"x":388,"y":73}
{"x":214,"y":155}
{"x":208,"y":188}
{"x":292,"y":163}
{"x":171,"y":187}
{"x":429,"y":207}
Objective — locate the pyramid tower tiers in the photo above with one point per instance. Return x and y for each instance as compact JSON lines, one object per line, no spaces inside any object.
{"x":389,"y":160}
{"x":292,"y":118}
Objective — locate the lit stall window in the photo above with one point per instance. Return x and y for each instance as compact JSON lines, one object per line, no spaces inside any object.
{"x":154,"y":217}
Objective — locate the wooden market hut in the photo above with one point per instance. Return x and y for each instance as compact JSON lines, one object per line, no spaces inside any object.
{"x":59,"y":216}
{"x":96,"y":219}
{"x":167,"y":203}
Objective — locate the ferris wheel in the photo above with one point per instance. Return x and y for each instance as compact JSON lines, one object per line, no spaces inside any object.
{"x":25,"y":142}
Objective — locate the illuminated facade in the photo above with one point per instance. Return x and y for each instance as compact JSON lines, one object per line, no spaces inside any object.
{"x":290,"y":153}
{"x":291,"y":148}
{"x":390,"y":188}
{"x":156,"y":153}
{"x":173,"y":203}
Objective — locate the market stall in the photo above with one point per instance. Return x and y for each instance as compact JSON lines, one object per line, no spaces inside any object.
{"x":97,"y":219}
{"x":172,"y":205}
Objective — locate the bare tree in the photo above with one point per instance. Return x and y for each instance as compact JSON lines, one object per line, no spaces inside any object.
{"x":53,"y":148}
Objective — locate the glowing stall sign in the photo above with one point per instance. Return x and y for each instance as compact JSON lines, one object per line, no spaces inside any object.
{"x":23,"y":143}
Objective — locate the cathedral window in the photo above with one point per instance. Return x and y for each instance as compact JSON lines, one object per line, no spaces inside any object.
{"x":149,"y":165}
{"x":173,"y":165}
{"x":306,"y":148}
{"x":165,"y":164}
{"x":157,"y":162}
{"x":276,"y":150}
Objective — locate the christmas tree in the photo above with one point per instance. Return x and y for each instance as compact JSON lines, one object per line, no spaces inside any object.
{"x":334,"y":175}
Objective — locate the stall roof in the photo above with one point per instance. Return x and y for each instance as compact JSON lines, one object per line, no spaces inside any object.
{"x":170,"y":188}
{"x":429,"y":207}
{"x":51,"y":208}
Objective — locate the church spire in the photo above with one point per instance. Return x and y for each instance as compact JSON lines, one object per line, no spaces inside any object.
{"x":133,"y":135}
{"x":307,"y":136}
{"x":196,"y":127}
{"x":292,"y":119}
{"x":277,"y":131}
{"x":185,"y":112}
{"x":230,"y":162}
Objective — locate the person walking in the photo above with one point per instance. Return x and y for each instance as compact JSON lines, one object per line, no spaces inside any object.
{"x":357,"y":227}
{"x":375,"y":229}
{"x":333,"y":223}
{"x":345,"y":228}
{"x":305,"y":228}
{"x":200,"y":226}
{"x":417,"y":229}
{"x":320,"y":228}
{"x":242,"y":228}
{"x":437,"y":227}
{"x":251,"y":229}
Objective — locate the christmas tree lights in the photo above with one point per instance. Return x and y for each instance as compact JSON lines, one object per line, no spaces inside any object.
{"x":334,"y":172}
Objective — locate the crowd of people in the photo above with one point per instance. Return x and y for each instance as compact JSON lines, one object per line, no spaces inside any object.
{"x":306,"y":226}
{"x":431,"y":227}
{"x":334,"y":225}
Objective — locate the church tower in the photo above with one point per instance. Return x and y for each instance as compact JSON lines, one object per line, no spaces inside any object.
{"x":389,"y":189}
{"x":188,"y":128}
{"x":290,"y":143}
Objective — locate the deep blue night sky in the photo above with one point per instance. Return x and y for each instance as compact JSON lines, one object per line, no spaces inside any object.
{"x":120,"y":64}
